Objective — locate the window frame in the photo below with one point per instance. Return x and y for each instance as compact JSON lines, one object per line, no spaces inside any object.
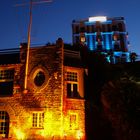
{"x":73,"y":124}
{"x":38,"y":120}
{"x":7,"y":75}
{"x":72,"y":79}
{"x":71,"y":93}
{"x":4,"y":124}
{"x":71,"y":76}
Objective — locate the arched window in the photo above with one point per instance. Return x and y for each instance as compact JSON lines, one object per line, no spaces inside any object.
{"x":4,"y":124}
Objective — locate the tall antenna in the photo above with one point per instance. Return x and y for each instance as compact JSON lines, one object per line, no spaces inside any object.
{"x":32,"y":2}
{"x":28,"y":46}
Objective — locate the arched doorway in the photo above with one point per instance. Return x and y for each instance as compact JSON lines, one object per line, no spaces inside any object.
{"x":4,"y":124}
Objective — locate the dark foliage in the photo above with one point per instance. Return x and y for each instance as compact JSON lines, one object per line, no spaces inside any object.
{"x":112,"y":98}
{"x":121,"y":104}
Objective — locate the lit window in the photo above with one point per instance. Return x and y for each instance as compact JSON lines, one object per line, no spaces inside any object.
{"x":4,"y":124}
{"x":72,"y":90}
{"x":7,"y":74}
{"x":38,"y":120}
{"x":71,"y":76}
{"x":115,"y":37}
{"x":72,"y":85}
{"x":83,"y":39}
{"x":73,"y":121}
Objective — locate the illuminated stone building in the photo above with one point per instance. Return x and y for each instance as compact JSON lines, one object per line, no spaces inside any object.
{"x":52,"y":108}
{"x":105,"y":35}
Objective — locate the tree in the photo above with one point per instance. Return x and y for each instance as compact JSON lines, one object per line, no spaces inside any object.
{"x":121,"y":104}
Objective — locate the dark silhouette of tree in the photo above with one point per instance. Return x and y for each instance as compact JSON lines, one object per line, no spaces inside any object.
{"x":97,"y":126}
{"x":121,"y":105}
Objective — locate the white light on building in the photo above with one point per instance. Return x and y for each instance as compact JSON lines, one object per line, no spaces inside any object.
{"x":98,"y":18}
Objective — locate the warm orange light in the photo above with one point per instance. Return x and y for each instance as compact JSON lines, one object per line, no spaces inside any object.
{"x":67,"y":127}
{"x":79,"y":135}
{"x":19,"y":134}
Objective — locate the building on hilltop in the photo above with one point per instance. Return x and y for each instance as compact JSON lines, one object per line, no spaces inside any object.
{"x":103,"y":34}
{"x":53,"y":106}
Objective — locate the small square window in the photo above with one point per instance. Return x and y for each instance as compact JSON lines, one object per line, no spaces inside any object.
{"x":38,"y":120}
{"x":7,"y":74}
{"x":72,"y":76}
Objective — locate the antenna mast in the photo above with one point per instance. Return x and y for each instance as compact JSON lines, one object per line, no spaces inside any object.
{"x":28,"y":47}
{"x":29,"y":37}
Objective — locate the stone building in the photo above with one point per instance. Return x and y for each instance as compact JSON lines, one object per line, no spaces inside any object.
{"x":53,"y":106}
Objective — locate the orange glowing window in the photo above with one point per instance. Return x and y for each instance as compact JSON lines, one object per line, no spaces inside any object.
{"x":115,"y":37}
{"x":38,"y":120}
{"x":71,"y":76}
{"x":83,"y":39}
{"x":4,"y":124}
{"x":72,"y":84}
{"x":73,"y":121}
{"x":7,"y":74}
{"x":72,"y":90}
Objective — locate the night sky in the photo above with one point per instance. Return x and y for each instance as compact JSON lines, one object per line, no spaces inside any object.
{"x":53,"y":20}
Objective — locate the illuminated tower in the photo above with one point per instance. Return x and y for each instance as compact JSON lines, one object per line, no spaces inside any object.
{"x":105,"y":35}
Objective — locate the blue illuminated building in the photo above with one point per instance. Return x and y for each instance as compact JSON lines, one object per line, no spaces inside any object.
{"x":105,"y":35}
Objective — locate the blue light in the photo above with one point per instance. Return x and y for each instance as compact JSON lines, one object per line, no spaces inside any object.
{"x":107,"y":33}
{"x":117,"y":53}
{"x":108,"y":59}
{"x":91,"y":42}
{"x":127,"y":56}
{"x":107,"y":41}
{"x":94,"y":22}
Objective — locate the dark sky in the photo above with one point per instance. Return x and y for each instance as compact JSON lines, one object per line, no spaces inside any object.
{"x":53,"y":20}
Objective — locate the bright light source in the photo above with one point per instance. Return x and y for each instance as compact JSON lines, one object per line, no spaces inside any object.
{"x":79,"y":134}
{"x":83,"y":39}
{"x":99,"y":18}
